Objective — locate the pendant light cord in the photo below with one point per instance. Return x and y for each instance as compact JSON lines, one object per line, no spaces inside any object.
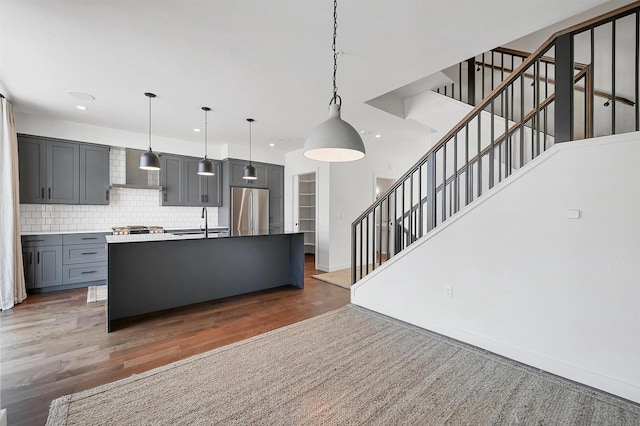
{"x":149,"y":123}
{"x":335,"y":97}
{"x":205,"y":134}
{"x":250,"y":122}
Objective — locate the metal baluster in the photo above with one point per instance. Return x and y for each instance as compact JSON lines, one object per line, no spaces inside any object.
{"x":460,"y":81}
{"x":411,"y":209}
{"x":402,"y":213}
{"x":353,"y":254}
{"x":613,"y":77}
{"x":388,"y":230}
{"x":483,"y":67}
{"x":546,"y":95}
{"x":593,"y":68}
{"x":380,"y":236}
{"x":420,"y":230}
{"x":444,"y":183}
{"x":637,"y":67}
{"x":361,"y":248}
{"x":456,"y":202}
{"x":467,"y":194}
{"x":491,"y":150}
{"x":367,"y":247}
{"x":505,"y":141}
{"x":479,"y":154}
{"x":521,"y":119}
{"x":373,"y":238}
{"x":537,"y":94}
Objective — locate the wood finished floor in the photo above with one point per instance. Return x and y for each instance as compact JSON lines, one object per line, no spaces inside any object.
{"x":55,"y":344}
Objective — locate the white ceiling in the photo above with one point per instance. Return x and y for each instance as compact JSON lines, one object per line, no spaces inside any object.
{"x":270,"y":60}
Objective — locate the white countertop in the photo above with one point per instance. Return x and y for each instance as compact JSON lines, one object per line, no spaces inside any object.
{"x":155,"y":237}
{"x":109,"y":231}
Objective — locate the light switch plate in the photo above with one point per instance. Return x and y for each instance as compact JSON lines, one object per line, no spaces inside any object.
{"x":573,"y":214}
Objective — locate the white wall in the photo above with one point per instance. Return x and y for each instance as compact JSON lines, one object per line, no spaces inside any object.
{"x":556,"y":293}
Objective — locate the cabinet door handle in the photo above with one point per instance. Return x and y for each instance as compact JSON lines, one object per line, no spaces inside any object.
{"x":88,"y":272}
{"x":89,"y":238}
{"x":38,"y":260}
{"x":37,"y":241}
{"x":89,"y":252}
{"x":42,"y":192}
{"x":49,"y":193}
{"x":31,"y":258}
{"x":164,"y":196}
{"x":107,"y":196}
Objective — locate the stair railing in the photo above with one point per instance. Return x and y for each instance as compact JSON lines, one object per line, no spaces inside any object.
{"x":501,"y":134}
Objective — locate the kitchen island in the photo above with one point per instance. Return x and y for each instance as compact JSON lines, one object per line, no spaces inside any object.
{"x":153,"y":272}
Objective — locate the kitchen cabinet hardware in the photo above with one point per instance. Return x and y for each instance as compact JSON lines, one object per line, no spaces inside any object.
{"x":89,"y":252}
{"x":42,"y":193}
{"x":89,"y":238}
{"x":38,"y":241}
{"x":38,"y":261}
{"x":31,"y":258}
{"x":49,"y":193}
{"x":88,"y":272}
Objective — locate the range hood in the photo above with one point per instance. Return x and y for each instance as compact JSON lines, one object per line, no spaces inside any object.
{"x":137,"y":178}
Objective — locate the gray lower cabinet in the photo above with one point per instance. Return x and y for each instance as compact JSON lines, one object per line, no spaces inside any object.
{"x":55,"y":171}
{"x":182,"y":186}
{"x":61,"y":261}
{"x":42,"y":258}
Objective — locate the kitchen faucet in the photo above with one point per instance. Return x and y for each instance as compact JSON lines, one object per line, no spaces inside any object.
{"x":205,"y":216}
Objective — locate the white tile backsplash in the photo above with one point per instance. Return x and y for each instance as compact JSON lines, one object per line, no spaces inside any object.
{"x":127,"y":207}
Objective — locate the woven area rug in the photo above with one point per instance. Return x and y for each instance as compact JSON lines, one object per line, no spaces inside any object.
{"x":340,"y":278}
{"x":349,"y":366}
{"x":96,"y":293}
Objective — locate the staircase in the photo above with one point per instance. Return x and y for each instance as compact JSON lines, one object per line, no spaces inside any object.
{"x":523,"y":105}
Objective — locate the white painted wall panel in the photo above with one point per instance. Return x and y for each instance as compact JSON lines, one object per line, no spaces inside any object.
{"x":528,"y":282}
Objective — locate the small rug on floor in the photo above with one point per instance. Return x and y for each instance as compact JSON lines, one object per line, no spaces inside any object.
{"x":348,"y":366}
{"x":340,"y":278}
{"x":96,"y":293}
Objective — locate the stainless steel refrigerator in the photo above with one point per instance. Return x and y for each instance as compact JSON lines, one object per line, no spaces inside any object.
{"x":249,"y":211}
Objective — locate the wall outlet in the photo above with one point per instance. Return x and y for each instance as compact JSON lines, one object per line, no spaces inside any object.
{"x":448,"y":292}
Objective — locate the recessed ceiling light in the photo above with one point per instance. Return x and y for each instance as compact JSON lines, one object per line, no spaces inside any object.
{"x":81,"y":107}
{"x":81,"y":95}
{"x":196,"y":130}
{"x":378,"y":136}
{"x":272,"y":144}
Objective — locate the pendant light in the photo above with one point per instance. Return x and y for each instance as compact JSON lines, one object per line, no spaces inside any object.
{"x":205,"y":166}
{"x":249,"y":171}
{"x":334,"y":140}
{"x":150,"y":160}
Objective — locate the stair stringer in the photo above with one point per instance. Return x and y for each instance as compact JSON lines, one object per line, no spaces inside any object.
{"x":529,"y":283}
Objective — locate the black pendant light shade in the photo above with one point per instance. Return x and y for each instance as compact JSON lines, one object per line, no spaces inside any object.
{"x":205,"y":166}
{"x":249,"y":172}
{"x":150,"y":160}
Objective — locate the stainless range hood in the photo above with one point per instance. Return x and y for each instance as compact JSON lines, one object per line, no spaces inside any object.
{"x":136,"y":177}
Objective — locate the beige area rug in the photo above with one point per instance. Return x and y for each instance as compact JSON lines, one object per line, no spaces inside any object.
{"x":340,"y":278}
{"x":96,"y":293}
{"x":349,"y":366}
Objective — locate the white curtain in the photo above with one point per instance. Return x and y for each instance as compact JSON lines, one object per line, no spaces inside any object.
{"x":12,"y":286}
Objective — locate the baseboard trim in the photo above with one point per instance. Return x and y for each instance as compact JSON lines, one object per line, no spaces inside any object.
{"x":572,"y":372}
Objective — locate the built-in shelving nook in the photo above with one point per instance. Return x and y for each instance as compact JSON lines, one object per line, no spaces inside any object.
{"x":306,"y":222}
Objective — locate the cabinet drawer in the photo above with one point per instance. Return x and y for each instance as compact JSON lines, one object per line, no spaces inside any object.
{"x":92,"y":238}
{"x":86,"y":272}
{"x":42,"y":240}
{"x":84,"y":253}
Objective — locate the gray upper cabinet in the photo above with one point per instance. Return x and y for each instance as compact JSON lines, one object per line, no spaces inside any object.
{"x":94,"y":174}
{"x":172,"y":175}
{"x":182,"y":186}
{"x":63,"y":173}
{"x":32,"y":160}
{"x":54,"y":171}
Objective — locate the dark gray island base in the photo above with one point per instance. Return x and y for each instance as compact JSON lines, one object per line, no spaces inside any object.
{"x":151,"y":276}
